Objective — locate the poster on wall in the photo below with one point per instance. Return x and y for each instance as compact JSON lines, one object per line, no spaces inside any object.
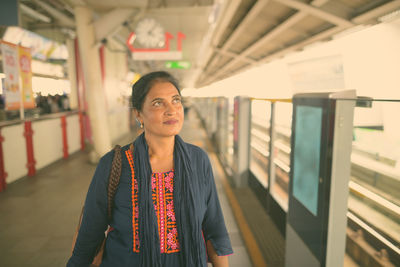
{"x":25,"y":72}
{"x":11,"y":71}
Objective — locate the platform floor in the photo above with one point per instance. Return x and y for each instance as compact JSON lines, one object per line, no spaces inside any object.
{"x":38,"y":215}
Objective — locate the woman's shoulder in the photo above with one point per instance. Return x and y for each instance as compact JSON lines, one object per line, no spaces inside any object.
{"x":196,"y":150}
{"x":198,"y":155}
{"x":108,"y":157}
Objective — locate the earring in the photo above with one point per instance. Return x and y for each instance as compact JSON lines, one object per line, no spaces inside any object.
{"x":140,"y":124}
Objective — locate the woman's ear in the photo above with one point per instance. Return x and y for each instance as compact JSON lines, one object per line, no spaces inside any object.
{"x":137,"y":114}
{"x":138,"y":118}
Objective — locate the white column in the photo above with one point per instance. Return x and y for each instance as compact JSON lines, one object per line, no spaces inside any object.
{"x":242,"y":145}
{"x":95,"y":94}
{"x":73,"y":97}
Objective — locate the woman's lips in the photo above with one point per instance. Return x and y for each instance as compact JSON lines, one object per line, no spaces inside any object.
{"x":170,"y":122}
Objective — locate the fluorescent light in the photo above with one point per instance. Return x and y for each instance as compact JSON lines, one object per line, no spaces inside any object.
{"x":390,"y":16}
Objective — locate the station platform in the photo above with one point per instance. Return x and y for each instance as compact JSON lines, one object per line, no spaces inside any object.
{"x":295,"y":64}
{"x":40,"y":213}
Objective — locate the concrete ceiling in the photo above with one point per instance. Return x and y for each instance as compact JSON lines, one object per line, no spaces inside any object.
{"x":223,"y":37}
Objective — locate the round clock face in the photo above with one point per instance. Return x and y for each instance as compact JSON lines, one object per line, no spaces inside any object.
{"x":150,"y":33}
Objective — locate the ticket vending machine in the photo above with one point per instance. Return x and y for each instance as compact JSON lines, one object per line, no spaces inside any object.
{"x":322,"y":126}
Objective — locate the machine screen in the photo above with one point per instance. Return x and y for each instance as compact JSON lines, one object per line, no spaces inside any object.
{"x":307,"y":145}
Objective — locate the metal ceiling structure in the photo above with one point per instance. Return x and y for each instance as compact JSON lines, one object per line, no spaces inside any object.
{"x":223,"y":37}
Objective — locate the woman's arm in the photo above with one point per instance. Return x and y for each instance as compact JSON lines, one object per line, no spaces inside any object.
{"x":214,"y":229}
{"x":217,"y":261}
{"x":94,"y":220}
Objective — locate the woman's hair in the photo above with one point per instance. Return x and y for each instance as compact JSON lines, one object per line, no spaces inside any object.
{"x":141,"y":88}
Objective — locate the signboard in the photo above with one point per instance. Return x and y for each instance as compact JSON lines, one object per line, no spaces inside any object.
{"x":177,"y":64}
{"x":25,"y":72}
{"x":317,"y":74}
{"x":11,"y":71}
{"x":17,"y":69}
{"x":41,"y":47}
{"x":163,"y":53}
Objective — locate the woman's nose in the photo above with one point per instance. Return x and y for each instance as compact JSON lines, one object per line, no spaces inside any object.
{"x":170,"y":109}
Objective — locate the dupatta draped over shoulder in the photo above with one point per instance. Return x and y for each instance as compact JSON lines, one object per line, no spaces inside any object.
{"x":198,"y":213}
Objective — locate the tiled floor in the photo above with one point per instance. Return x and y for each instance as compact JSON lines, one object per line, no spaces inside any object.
{"x":38,"y":215}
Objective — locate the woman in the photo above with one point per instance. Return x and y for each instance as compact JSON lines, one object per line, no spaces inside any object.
{"x":166,"y":209}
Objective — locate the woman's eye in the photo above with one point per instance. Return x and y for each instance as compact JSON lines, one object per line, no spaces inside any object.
{"x":157,"y":103}
{"x":177,"y":100}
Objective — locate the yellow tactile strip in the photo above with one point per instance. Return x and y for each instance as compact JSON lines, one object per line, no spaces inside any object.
{"x":247,"y":235}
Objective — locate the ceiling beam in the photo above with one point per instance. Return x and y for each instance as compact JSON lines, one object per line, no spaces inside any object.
{"x":238,"y":31}
{"x":336,"y":20}
{"x":109,"y":23}
{"x":250,"y":16}
{"x":369,"y":16}
{"x":235,"y":55}
{"x":372,"y":14}
{"x":320,"y":36}
{"x":224,"y":19}
{"x":56,"y":14}
{"x":34,"y":14}
{"x":266,"y":38}
{"x":227,"y":11}
{"x":74,"y":3}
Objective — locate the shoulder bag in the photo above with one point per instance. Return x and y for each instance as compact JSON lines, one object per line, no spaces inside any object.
{"x":113,"y":181}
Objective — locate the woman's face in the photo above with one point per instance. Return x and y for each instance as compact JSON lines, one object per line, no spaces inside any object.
{"x":162,"y":111}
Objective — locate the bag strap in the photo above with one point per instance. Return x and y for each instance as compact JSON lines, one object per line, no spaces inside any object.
{"x":113,"y":179}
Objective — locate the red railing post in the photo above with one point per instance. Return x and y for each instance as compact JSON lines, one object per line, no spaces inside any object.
{"x":64,"y":134}
{"x":82,"y":131}
{"x":29,"y":148}
{"x":3,"y":174}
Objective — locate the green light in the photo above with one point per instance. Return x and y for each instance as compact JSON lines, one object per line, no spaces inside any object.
{"x":177,"y":64}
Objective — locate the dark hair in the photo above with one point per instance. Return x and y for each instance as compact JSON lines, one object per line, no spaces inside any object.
{"x":141,"y":88}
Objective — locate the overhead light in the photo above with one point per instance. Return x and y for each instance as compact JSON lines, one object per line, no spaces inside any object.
{"x":389,"y":17}
{"x":34,"y":14}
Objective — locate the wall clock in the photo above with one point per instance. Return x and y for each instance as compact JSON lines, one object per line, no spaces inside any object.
{"x":150,"y":33}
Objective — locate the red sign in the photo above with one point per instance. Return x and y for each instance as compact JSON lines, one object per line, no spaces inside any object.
{"x":168,"y":37}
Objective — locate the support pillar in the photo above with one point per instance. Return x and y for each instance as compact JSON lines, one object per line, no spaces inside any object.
{"x":81,"y":124}
{"x":3,"y":174}
{"x":73,"y":97}
{"x":241,"y":140}
{"x":93,"y":81}
{"x":64,"y":135}
{"x":29,"y":148}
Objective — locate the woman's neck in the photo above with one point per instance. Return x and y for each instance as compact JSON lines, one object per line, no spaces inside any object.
{"x":160,"y":147}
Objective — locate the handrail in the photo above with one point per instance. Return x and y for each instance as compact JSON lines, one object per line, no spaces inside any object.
{"x":42,"y":117}
{"x":273,"y":100}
